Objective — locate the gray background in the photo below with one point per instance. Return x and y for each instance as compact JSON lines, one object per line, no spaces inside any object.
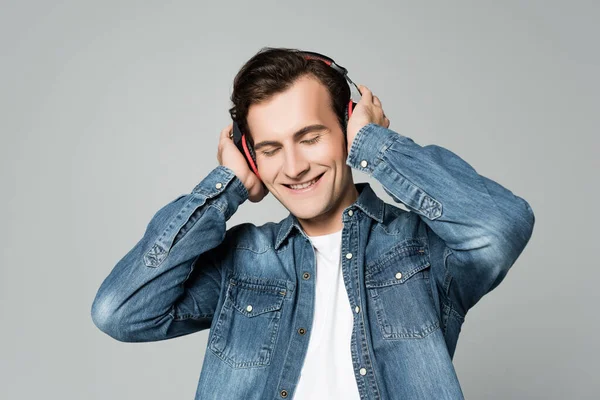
{"x":112,"y":109}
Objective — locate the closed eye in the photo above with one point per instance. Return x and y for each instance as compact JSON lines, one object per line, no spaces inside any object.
{"x":269,"y":153}
{"x":313,"y":140}
{"x":309,"y":141}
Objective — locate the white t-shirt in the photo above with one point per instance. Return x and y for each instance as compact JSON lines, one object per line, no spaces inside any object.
{"x":327,"y":372}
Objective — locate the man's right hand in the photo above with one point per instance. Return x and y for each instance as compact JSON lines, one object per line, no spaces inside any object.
{"x":230,"y":156}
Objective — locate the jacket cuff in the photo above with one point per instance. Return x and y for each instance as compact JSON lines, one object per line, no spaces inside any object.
{"x":368,"y":147}
{"x":222,"y":189}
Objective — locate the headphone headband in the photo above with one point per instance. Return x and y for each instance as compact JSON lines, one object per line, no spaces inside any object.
{"x":354,"y":91}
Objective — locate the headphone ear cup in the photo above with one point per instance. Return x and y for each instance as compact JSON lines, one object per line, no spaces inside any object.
{"x":349,"y":110}
{"x":242,"y":142}
{"x":249,"y":155}
{"x":237,"y":137}
{"x":250,"y":149}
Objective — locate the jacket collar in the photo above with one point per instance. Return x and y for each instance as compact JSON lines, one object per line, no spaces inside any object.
{"x":367,"y":201}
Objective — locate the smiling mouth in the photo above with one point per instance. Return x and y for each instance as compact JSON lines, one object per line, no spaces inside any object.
{"x":304,"y":185}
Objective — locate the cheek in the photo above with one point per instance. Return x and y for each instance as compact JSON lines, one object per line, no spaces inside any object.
{"x":328,"y":154}
{"x":325,"y":152}
{"x":267,"y":170}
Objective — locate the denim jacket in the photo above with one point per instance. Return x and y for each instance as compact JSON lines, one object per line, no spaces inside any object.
{"x":411,"y":276}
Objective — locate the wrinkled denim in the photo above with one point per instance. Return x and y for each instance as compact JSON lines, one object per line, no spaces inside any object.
{"x":411,"y":276}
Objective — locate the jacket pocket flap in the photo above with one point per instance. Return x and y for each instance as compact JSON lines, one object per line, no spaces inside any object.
{"x":252,"y":299}
{"x":397,"y":265}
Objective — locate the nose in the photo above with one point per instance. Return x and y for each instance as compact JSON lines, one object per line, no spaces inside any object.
{"x":295,"y":164}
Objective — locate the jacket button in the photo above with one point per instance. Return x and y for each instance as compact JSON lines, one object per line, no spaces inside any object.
{"x":219,"y":185}
{"x":357,"y":309}
{"x":398,"y":275}
{"x":363,"y":371}
{"x":283,"y":393}
{"x":302,"y":331}
{"x":249,"y":308}
{"x":350,"y":212}
{"x":306,"y":275}
{"x":349,"y":256}
{"x":363,"y":163}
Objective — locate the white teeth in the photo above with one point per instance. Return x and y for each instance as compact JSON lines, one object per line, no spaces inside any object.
{"x":304,"y":185}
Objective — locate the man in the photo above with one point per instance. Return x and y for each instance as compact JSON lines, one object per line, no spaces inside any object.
{"x":348,"y":297}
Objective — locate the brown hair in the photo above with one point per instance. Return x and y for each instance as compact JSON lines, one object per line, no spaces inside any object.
{"x":275,"y":69}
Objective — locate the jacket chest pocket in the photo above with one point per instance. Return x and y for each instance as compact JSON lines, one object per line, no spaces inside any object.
{"x":399,"y":292}
{"x":246,"y":330}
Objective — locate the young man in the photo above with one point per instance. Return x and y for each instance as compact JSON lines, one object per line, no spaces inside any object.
{"x":348,"y":297}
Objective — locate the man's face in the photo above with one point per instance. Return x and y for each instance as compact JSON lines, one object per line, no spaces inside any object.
{"x":285,"y":159}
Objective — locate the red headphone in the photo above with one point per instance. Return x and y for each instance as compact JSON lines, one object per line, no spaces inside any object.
{"x":242,"y":142}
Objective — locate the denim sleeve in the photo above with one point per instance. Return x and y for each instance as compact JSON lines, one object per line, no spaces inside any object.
{"x":482,"y":226}
{"x":146,"y":297}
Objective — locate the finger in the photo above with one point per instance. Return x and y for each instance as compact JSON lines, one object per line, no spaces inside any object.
{"x":376,"y":101}
{"x":225,"y":132}
{"x":365,"y":93}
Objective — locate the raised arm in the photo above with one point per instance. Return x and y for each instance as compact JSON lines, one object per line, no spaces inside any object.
{"x":145,"y":297}
{"x":481,"y":226}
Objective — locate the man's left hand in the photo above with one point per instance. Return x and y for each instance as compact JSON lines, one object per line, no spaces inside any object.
{"x":368,"y":110}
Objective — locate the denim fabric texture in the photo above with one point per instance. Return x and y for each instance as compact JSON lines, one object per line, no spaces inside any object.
{"x":411,"y":276}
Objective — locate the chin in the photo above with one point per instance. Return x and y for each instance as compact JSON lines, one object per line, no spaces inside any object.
{"x":310,"y":211}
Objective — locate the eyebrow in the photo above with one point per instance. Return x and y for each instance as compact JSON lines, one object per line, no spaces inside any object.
{"x":297,"y":135}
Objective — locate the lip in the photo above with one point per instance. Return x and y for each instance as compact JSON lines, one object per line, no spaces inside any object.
{"x":305,"y":190}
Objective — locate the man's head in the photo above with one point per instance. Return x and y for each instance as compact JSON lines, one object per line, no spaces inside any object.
{"x":276,"y":94}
